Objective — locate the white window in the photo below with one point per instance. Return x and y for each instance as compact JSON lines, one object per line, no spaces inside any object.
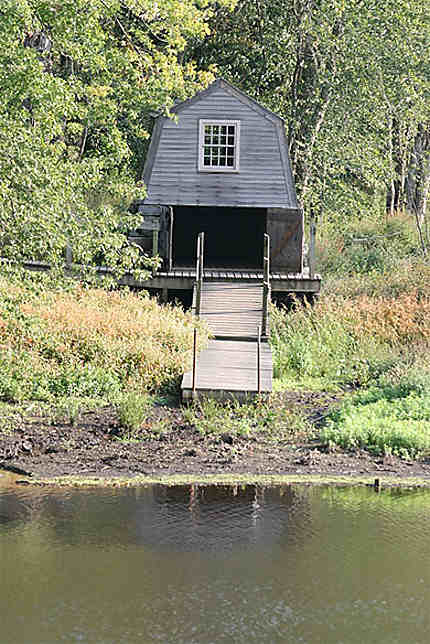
{"x":219,"y":143}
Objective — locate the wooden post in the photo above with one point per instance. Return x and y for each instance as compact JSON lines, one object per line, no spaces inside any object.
{"x":69,"y":256}
{"x":311,"y":256}
{"x":259,"y":360}
{"x":266,"y":284}
{"x":154,"y":242}
{"x":194,"y":363}
{"x":197,"y":283}
{"x":170,"y":242}
{"x":199,"y":271}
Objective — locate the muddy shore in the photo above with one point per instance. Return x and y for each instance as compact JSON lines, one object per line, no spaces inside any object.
{"x":93,"y":447}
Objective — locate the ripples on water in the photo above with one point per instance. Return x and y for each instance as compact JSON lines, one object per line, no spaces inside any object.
{"x":214,"y":564}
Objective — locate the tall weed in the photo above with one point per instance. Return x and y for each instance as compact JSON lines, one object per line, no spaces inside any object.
{"x":93,"y":342}
{"x":370,"y":245}
{"x":133,"y":409}
{"x":349,"y":341}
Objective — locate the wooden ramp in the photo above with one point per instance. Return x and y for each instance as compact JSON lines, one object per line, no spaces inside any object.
{"x":232,"y":310}
{"x":229,"y":366}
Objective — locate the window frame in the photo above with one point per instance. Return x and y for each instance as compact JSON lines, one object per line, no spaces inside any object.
{"x":217,"y":168}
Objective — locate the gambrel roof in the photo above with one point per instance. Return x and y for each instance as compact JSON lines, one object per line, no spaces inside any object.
{"x":241,"y":96}
{"x":265,"y":179}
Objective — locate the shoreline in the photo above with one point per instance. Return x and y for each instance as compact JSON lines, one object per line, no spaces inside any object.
{"x":263,"y":480}
{"x":171,"y":450}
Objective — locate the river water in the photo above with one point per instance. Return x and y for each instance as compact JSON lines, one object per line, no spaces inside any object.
{"x":192,"y":564}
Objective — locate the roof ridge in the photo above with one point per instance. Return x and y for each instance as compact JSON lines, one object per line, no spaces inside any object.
{"x":238,"y":93}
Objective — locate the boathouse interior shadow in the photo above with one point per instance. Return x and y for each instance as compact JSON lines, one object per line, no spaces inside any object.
{"x":233,"y":236}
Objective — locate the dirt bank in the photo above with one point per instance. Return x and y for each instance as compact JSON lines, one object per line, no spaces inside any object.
{"x":93,"y":447}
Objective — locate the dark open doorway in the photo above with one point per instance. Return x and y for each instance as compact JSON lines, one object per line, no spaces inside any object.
{"x":233,"y":236}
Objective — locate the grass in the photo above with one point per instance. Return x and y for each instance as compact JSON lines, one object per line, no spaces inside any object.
{"x":369,"y":331}
{"x":133,"y":409}
{"x":263,"y":480}
{"x":350,"y":340}
{"x":370,"y":246}
{"x":377,"y":346}
{"x":57,"y":343}
{"x":268,"y":417}
{"x":383,"y":426}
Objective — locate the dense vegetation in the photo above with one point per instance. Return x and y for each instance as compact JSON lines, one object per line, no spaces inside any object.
{"x":74,"y":342}
{"x":351,"y":80}
{"x":368,"y":335}
{"x":80,"y":81}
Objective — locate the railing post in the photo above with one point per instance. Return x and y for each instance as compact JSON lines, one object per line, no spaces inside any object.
{"x":197,"y":284}
{"x":199,"y":271}
{"x":311,"y":256}
{"x":259,"y":360}
{"x":266,"y":283}
{"x":193,"y":388}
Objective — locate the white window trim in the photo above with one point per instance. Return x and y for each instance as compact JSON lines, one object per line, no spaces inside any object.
{"x":212,"y":169}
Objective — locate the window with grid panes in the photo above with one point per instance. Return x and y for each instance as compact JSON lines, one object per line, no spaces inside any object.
{"x":219,"y":146}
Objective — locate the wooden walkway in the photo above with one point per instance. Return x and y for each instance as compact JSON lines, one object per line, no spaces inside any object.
{"x":228,"y":367}
{"x":232,"y":309}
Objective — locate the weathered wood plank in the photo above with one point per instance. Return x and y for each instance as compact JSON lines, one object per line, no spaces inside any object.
{"x":231,"y":366}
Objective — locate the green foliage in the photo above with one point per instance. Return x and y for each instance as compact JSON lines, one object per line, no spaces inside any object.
{"x":22,"y":377}
{"x":69,"y":410}
{"x":383,"y":421}
{"x":78,"y":82}
{"x":372,"y":315}
{"x":351,"y":80}
{"x":408,"y":276}
{"x":133,"y":409}
{"x":270,"y":417}
{"x":88,"y":343}
{"x":368,"y":247}
{"x":318,"y":344}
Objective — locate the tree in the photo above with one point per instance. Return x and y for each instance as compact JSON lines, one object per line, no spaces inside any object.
{"x":78,"y":82}
{"x":351,"y":80}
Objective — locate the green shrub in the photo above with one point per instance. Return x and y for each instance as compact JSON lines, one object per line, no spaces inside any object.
{"x":88,"y":342}
{"x":133,"y":409}
{"x":382,"y":421}
{"x":371,"y":245}
{"x":22,"y":377}
{"x":317,"y":342}
{"x":269,"y":416}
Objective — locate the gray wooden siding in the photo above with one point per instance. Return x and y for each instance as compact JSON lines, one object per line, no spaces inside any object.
{"x":264,"y":180}
{"x":285,"y":229}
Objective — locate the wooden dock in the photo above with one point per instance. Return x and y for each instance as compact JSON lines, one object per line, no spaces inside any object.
{"x":229,"y":366}
{"x":183,"y":279}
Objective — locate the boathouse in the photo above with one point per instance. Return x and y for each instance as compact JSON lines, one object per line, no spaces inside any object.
{"x":220,"y":166}
{"x":222,"y":212}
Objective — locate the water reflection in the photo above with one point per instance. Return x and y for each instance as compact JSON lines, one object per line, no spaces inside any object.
{"x":176,"y":518}
{"x":214,"y":564}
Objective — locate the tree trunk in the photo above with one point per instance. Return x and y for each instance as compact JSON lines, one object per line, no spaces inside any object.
{"x":418,"y":179}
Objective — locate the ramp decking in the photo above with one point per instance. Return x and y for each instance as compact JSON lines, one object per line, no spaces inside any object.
{"x":229,"y":366}
{"x":232,"y":310}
